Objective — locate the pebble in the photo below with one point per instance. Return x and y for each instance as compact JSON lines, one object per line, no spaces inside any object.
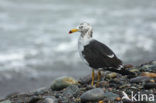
{"x":146,"y":67}
{"x":111,"y":95}
{"x":118,"y":99}
{"x":50,"y":100}
{"x":71,"y":91}
{"x":92,"y":95}
{"x":150,"y":85}
{"x":140,"y":79}
{"x":151,"y":67}
{"x":101,"y":102}
{"x":63,"y":82}
{"x":115,"y":83}
{"x":35,"y":99}
{"x":40,"y":91}
{"x":111,"y":75}
{"x":110,"y":91}
{"x":134,"y":70}
{"x":147,"y":74}
{"x":85,"y":79}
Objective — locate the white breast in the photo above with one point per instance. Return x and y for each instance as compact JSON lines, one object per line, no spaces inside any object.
{"x":81,"y":43}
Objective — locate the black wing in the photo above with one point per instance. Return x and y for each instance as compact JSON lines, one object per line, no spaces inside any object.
{"x":98,"y":55}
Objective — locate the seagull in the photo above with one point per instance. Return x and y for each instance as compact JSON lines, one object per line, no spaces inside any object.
{"x":95,"y":54}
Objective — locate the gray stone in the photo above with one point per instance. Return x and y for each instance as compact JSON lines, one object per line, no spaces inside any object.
{"x":63,"y":82}
{"x":110,"y":95}
{"x":149,"y":67}
{"x":71,"y":91}
{"x":92,"y":95}
{"x":150,"y":85}
{"x":49,"y":99}
{"x":134,"y":70}
{"x":34,"y":99}
{"x":111,"y":75}
{"x":40,"y":91}
{"x":140,"y":79}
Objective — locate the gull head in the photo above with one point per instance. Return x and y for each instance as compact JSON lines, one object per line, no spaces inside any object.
{"x":84,"y":29}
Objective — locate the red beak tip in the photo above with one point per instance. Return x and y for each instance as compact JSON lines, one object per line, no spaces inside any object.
{"x":70,"y":32}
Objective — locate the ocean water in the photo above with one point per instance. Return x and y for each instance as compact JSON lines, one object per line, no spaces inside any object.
{"x":34,"y":39}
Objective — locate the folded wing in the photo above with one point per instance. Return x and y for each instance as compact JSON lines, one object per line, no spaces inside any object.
{"x":99,"y":55}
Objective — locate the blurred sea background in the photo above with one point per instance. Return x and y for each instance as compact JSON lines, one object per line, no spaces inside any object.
{"x":35,"y":46}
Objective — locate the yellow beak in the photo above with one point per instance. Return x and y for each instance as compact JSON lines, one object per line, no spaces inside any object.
{"x":73,"y":30}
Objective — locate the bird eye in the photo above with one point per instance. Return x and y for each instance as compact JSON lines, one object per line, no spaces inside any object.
{"x":81,"y":27}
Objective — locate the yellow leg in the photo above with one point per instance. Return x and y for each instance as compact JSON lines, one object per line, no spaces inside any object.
{"x":92,"y":77}
{"x":98,"y":78}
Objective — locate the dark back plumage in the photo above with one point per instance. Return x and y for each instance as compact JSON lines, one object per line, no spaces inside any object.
{"x":98,"y":56}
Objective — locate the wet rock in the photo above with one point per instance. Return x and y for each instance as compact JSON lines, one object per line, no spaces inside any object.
{"x":134,"y":70}
{"x":129,"y":101}
{"x":71,"y":91}
{"x":118,"y":99}
{"x":111,"y":75}
{"x":88,"y":78}
{"x":125,"y":86}
{"x":92,"y":95}
{"x":153,"y":65}
{"x":150,"y":85}
{"x":140,"y":79}
{"x":35,"y":99}
{"x":103,"y":84}
{"x":101,"y":101}
{"x":110,"y":95}
{"x":128,"y":66}
{"x":62,"y":83}
{"x":85,"y":79}
{"x":115,"y":83}
{"x":88,"y":87}
{"x":69,"y":94}
{"x":148,"y":67}
{"x":110,"y":91}
{"x":145,"y":67}
{"x":63,"y":99}
{"x":40,"y":91}
{"x":49,"y":100}
{"x":147,"y":74}
{"x":6,"y":101}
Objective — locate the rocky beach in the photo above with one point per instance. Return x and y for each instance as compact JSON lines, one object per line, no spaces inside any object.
{"x":113,"y":88}
{"x":39,"y":61}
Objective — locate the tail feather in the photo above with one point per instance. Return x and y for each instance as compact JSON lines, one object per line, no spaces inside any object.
{"x":125,"y":72}
{"x":121,"y":70}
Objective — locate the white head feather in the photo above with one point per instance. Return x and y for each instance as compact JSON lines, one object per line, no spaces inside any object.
{"x":86,"y":30}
